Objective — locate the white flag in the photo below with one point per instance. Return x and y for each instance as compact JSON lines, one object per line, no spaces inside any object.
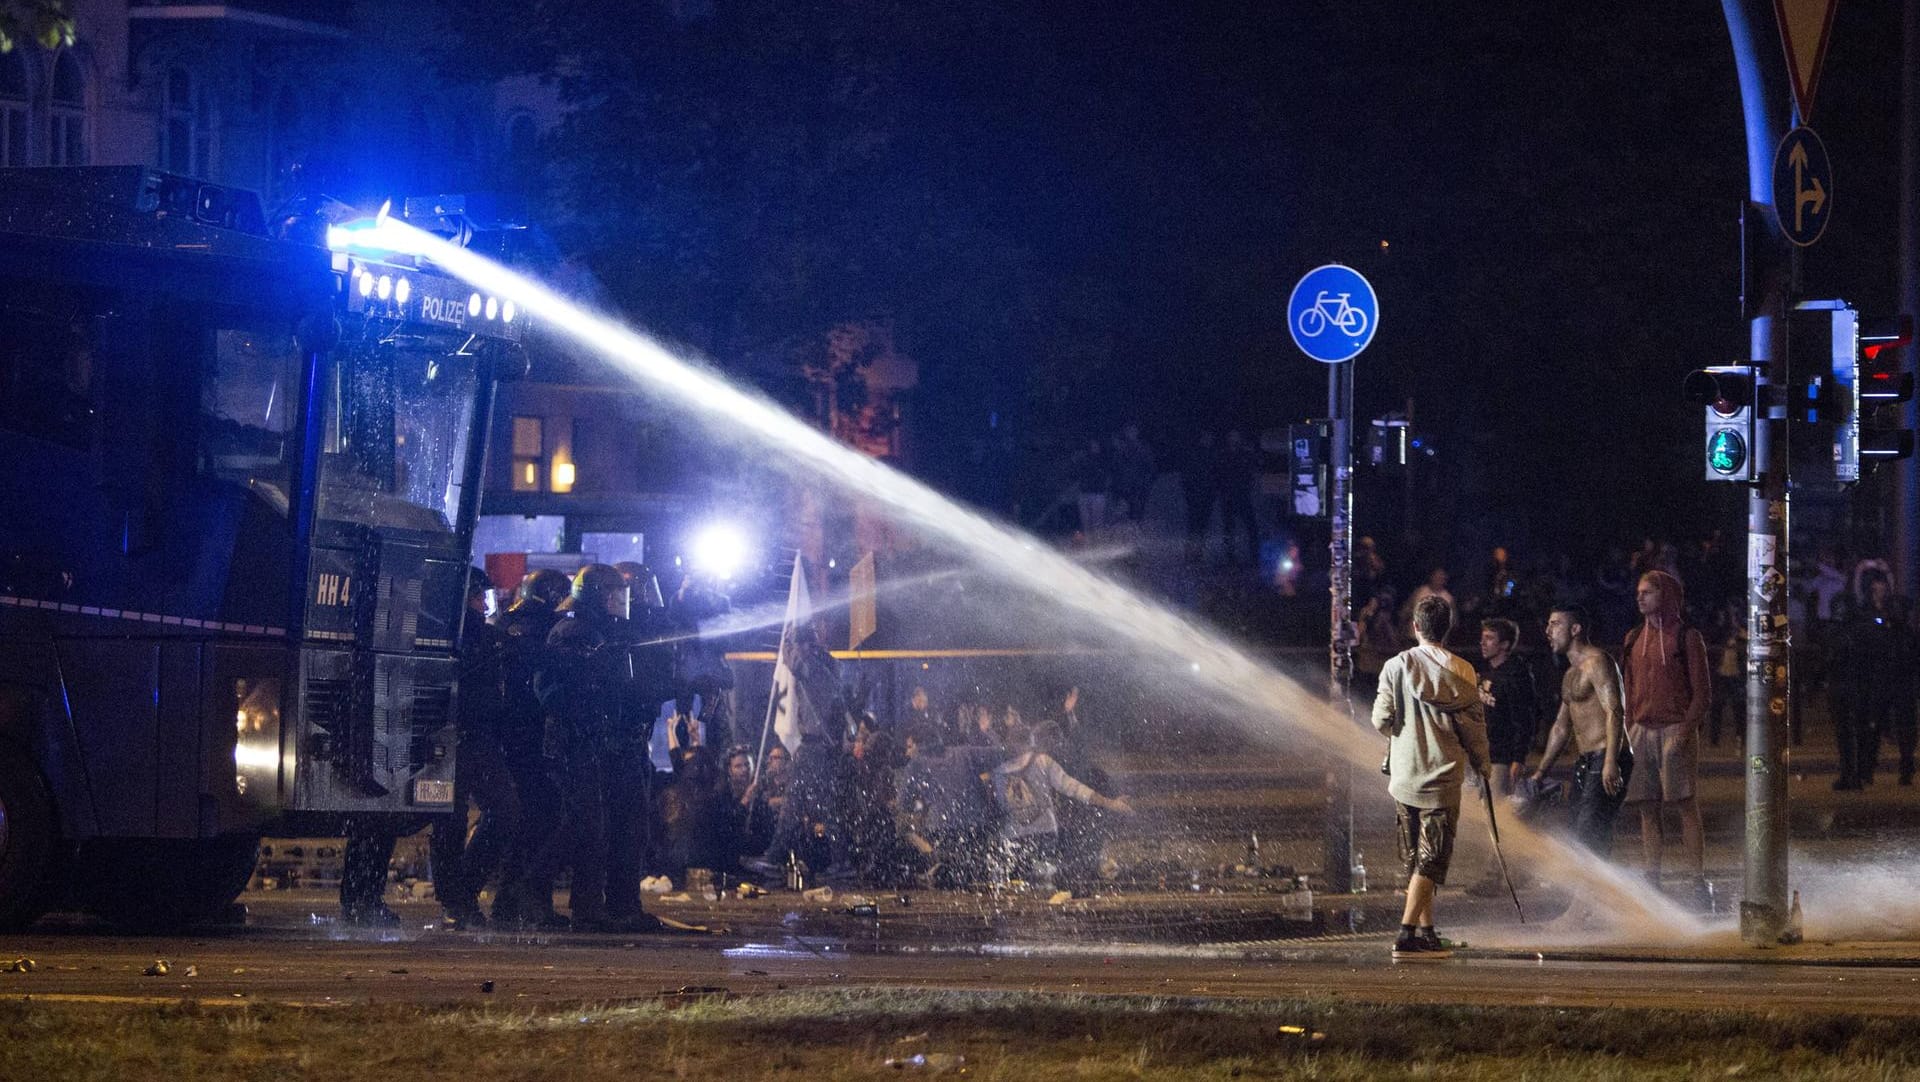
{"x":786,"y":706}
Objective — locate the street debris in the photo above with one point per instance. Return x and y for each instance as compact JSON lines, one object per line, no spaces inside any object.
{"x":486,"y":988}
{"x":818,"y":894}
{"x":750,"y":890}
{"x":696,"y":993}
{"x":19,"y":965}
{"x":160,"y":968}
{"x":1302,"y":1033}
{"x":930,"y":1062}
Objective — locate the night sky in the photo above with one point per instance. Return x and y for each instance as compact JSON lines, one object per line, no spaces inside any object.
{"x":1077,"y":214}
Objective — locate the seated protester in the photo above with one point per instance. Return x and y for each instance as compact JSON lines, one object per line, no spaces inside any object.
{"x":759,"y":805}
{"x":743,"y":792}
{"x":695,"y":815}
{"x":871,"y":804}
{"x":945,"y":810}
{"x":1023,"y":786}
{"x":1082,"y":829}
{"x":982,"y":733}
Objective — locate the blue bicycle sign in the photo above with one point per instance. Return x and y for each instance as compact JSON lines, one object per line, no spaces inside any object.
{"x":1333,"y":313}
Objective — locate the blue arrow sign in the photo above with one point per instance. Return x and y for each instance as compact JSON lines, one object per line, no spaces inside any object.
{"x":1333,"y":314}
{"x":1802,"y":186}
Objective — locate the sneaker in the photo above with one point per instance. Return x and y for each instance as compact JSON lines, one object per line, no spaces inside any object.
{"x":1434,"y":945}
{"x":1410,"y":948}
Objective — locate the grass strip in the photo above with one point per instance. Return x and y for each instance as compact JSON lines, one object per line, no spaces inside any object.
{"x":831,"y":1035}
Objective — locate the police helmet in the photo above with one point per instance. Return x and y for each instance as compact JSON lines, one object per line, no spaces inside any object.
{"x":598,"y":588}
{"x":641,"y":580}
{"x":546,"y":586}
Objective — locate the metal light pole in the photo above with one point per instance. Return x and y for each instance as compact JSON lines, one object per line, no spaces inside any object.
{"x":1906,"y":473}
{"x":1338,"y":864}
{"x":1764,"y":97}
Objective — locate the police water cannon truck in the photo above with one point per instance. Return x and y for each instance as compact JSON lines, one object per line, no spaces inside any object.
{"x":239,"y":472}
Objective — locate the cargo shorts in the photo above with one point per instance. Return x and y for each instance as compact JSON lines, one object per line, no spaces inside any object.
{"x":1426,"y":840}
{"x":1667,"y":758}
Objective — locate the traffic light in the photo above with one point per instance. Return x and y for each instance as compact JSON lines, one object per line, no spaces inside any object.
{"x":1822,"y":396}
{"x":1387,"y":442}
{"x":1878,"y":436}
{"x":1727,"y":392}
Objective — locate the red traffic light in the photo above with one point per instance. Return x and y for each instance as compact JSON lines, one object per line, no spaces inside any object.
{"x":1726,"y":389}
{"x":1885,"y":334}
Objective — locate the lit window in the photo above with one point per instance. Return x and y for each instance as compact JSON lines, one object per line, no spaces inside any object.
{"x":529,"y":453}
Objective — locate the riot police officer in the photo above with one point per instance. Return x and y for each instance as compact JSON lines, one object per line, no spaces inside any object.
{"x":525,"y":898}
{"x":626,"y":765}
{"x":585,"y":687}
{"x":461,"y":865}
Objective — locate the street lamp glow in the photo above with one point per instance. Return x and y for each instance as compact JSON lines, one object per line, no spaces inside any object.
{"x":720,"y":550}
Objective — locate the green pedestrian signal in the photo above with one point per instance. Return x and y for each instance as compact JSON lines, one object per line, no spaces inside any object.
{"x":1728,"y":393}
{"x":1726,"y":453}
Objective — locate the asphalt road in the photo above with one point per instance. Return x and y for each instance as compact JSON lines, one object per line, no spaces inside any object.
{"x":317,"y":965}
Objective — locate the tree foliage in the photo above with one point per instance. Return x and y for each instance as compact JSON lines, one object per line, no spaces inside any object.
{"x":44,"y":21}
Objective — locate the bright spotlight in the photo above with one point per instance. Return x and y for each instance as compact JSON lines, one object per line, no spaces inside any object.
{"x":473,"y":306}
{"x":366,"y":236}
{"x":402,"y":289}
{"x":719,"y":549}
{"x":507,"y":312}
{"x":493,"y":307}
{"x":366,"y":282}
{"x":384,"y":287}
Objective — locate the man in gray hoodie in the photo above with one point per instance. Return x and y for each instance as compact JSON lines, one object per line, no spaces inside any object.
{"x":1429,"y":707}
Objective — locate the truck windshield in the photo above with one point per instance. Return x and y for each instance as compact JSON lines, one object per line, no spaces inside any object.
{"x":398,"y":437}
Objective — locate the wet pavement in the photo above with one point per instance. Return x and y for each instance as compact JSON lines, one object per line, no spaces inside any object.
{"x":322,"y":964}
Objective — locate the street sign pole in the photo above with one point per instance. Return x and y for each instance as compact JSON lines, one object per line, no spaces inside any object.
{"x":1338,"y":863}
{"x":1764,"y":904}
{"x":1332,"y":315}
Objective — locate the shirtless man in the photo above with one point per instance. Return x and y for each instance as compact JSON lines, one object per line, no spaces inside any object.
{"x":1590,"y":713}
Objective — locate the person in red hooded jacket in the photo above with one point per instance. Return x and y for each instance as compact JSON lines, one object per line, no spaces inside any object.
{"x":1668,"y":688}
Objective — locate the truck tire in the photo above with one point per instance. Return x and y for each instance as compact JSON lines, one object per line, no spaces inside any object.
{"x":163,"y":884}
{"x":29,"y":841}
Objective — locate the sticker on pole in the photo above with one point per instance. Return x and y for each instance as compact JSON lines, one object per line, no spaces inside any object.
{"x":1333,"y":314}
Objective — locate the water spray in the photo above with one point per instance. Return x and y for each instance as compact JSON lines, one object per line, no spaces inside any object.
{"x":1018,"y":557}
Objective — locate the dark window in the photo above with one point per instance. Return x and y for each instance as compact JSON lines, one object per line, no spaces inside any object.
{"x":15,"y":102}
{"x":180,"y":136}
{"x":67,"y":121}
{"x":48,"y":381}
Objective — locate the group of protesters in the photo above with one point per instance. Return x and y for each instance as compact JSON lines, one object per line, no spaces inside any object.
{"x":959,"y":800}
{"x":1634,"y":722}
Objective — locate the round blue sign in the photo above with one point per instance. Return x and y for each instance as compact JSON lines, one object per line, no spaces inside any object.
{"x":1802,"y":186}
{"x":1333,"y":314}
